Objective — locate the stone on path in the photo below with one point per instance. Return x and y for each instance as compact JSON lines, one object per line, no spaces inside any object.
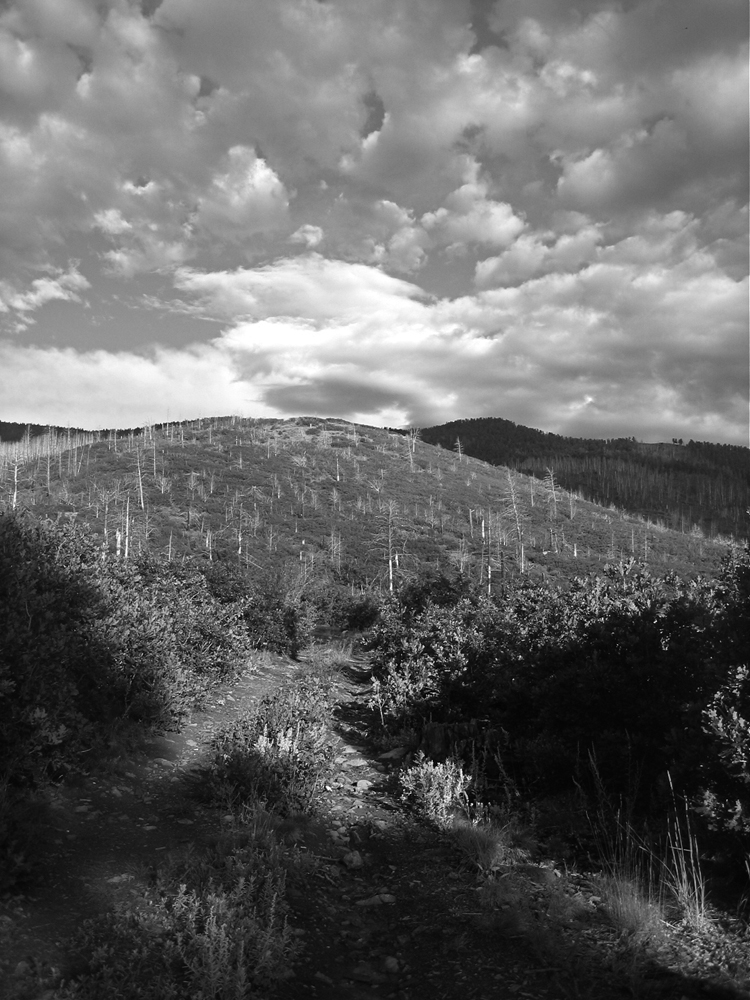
{"x":377,"y":900}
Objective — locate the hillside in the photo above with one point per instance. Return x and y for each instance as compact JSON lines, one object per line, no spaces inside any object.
{"x":680,"y":485}
{"x":456,"y":722}
{"x":308,"y":496}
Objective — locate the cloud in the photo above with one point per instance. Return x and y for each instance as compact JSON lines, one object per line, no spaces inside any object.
{"x":111,"y":222}
{"x":570,"y":352}
{"x":61,"y":286}
{"x":606,"y":332}
{"x":338,"y":397}
{"x":245,"y":198}
{"x":308,"y":287}
{"x":104,"y":389}
{"x":425,"y":208}
{"x":310,"y":236}
{"x":468,"y":216}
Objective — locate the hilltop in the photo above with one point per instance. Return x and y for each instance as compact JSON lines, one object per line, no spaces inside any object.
{"x":362,"y":505}
{"x":680,"y":485}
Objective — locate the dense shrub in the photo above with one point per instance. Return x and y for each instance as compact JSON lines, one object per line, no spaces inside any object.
{"x":276,"y":615}
{"x":85,"y":642}
{"x":724,"y":797}
{"x":55,"y":671}
{"x":341,"y":609}
{"x":645,"y":675}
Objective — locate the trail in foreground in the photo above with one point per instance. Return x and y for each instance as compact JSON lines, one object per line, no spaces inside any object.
{"x":389,"y":907}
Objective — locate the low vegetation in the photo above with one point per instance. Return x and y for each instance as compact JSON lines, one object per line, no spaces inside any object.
{"x":600,"y":717}
{"x":213,"y":924}
{"x":642,"y":678}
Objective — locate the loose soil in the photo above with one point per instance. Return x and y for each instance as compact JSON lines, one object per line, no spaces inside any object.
{"x":390,"y":908}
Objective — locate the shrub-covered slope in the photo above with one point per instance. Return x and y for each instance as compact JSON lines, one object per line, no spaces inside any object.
{"x":301,"y":496}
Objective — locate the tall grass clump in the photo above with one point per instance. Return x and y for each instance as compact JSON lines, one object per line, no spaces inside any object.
{"x":630,"y":884}
{"x":682,"y":872}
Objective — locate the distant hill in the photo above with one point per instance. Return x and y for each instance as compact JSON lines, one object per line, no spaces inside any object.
{"x":309,"y":497}
{"x":679,"y":485}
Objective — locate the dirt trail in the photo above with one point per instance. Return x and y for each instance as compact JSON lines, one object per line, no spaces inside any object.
{"x":391,"y":908}
{"x":92,"y":838}
{"x":395,"y":912}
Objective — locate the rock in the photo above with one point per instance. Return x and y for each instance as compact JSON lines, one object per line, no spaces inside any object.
{"x":364,"y":973}
{"x":22,"y":969}
{"x":324,"y":978}
{"x":377,"y":900}
{"x":363,"y":786}
{"x":390,"y":964}
{"x":353,"y":860}
{"x":396,"y":754}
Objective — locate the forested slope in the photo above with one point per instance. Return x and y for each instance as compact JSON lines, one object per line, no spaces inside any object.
{"x":681,"y":485}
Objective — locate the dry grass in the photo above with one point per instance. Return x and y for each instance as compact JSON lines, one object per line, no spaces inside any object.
{"x":489,"y":844}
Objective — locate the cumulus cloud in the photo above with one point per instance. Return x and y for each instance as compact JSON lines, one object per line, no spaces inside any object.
{"x":469,"y":216}
{"x":245,"y":198}
{"x":105,"y":389}
{"x":529,"y":207}
{"x":310,"y":236}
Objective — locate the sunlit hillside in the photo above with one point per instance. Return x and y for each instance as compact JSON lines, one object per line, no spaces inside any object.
{"x":364,"y":505}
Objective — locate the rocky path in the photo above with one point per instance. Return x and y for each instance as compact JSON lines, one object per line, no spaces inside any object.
{"x":388,"y":907}
{"x":394,"y":912}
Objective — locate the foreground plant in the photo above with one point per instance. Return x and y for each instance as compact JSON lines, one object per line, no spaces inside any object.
{"x":210,"y":927}
{"x":279,"y":751}
{"x":437,"y":792}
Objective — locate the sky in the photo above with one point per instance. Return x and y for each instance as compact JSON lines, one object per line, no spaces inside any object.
{"x":397,"y":212}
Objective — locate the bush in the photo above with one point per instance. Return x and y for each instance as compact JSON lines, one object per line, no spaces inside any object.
{"x":622,"y":666}
{"x":211,"y":927}
{"x":279,"y":752}
{"x":85,"y":642}
{"x":54,"y":671}
{"x":436,"y":791}
{"x":341,"y":610}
